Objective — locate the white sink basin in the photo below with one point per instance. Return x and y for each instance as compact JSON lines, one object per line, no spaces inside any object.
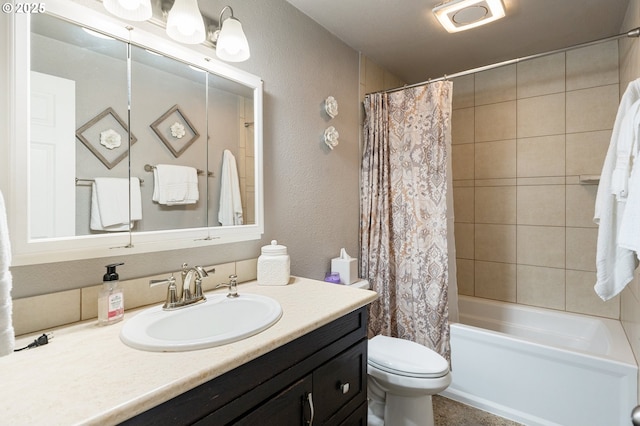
{"x":218,"y":321}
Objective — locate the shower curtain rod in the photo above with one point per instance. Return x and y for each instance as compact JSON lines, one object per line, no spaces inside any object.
{"x":631,"y":33}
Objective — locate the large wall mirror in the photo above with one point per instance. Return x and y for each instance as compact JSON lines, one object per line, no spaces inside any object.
{"x":127,"y":142}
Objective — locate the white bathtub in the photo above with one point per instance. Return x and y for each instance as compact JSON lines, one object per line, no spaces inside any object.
{"x":542,"y":367}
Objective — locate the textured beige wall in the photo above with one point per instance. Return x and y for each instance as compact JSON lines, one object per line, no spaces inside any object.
{"x":311,"y":192}
{"x":522,"y":136}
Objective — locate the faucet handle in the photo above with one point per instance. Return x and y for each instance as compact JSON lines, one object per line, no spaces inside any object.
{"x":172,"y":291}
{"x":233,"y":286}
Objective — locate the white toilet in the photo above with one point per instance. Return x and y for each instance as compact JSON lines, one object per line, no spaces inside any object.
{"x":402,"y":376}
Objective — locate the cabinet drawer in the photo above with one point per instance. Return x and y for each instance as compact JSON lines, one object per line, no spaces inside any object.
{"x":339,"y":383}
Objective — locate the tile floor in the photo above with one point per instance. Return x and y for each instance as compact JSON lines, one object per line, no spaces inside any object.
{"x":447,"y":412}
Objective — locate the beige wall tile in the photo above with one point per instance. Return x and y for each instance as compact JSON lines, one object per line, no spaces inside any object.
{"x":592,"y":66}
{"x":495,"y":281}
{"x":541,"y":76}
{"x":592,"y":109}
{"x":541,"y":116}
{"x":462,"y":126}
{"x":541,"y":205}
{"x":541,"y":156}
{"x":495,"y":159}
{"x":540,"y":286}
{"x":529,"y":181}
{"x":465,"y":246}
{"x":496,"y":85}
{"x":463,"y":160}
{"x":495,"y":243}
{"x":463,"y":204}
{"x":495,"y":122}
{"x":582,"y":299}
{"x":586,"y":152}
{"x":463,"y":91}
{"x":495,"y":204}
{"x":246,"y":270}
{"x":541,"y":246}
{"x":581,"y":200}
{"x":581,"y":248}
{"x":465,"y":276}
{"x":45,"y":312}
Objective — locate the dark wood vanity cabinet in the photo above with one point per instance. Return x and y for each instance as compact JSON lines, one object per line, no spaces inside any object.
{"x":321,"y":376}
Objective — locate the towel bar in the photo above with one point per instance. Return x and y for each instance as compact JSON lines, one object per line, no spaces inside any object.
{"x":93,"y":180}
{"x":149,"y":168}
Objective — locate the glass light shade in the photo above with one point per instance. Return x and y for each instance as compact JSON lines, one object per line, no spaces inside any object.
{"x":185,"y":23}
{"x":232,"y":45}
{"x":446,"y":13}
{"x":132,"y":10}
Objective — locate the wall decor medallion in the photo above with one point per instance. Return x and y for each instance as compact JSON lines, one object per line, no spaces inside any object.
{"x":331,"y":136}
{"x":331,"y":106}
{"x":175,"y":130}
{"x":104,"y":135}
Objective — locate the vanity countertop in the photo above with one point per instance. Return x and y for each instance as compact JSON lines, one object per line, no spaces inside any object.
{"x":86,"y":375}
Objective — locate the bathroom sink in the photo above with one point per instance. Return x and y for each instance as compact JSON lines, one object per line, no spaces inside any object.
{"x":218,"y":321}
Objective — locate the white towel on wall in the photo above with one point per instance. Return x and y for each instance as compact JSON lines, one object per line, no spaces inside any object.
{"x":614,"y":264}
{"x":629,"y":234}
{"x":230,"y":210}
{"x":7,"y":336}
{"x":110,"y":204}
{"x":175,"y":185}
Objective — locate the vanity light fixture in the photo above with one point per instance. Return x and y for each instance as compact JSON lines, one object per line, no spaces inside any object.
{"x":460,"y":15}
{"x":229,"y":39}
{"x":185,"y":23}
{"x":133,"y":10}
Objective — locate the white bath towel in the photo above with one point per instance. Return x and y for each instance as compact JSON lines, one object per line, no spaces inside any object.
{"x":614,"y":264}
{"x":7,"y":336}
{"x":110,"y":204}
{"x":175,"y":185}
{"x":5,"y":286}
{"x":629,"y":234}
{"x":230,"y":210}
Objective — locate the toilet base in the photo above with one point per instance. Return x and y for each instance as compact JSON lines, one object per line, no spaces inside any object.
{"x":396,"y":410}
{"x":409,"y":411}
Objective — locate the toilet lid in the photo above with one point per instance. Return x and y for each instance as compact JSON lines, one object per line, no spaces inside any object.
{"x":405,"y":358}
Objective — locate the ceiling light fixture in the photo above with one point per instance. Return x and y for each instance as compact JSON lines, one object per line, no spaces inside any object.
{"x":460,"y":15}
{"x":231,"y":43}
{"x":185,"y":23}
{"x":132,"y":10}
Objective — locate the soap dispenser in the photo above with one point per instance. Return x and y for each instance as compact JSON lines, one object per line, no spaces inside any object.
{"x":111,"y":298}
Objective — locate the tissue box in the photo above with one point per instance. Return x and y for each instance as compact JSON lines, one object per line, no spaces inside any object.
{"x":347,"y":268}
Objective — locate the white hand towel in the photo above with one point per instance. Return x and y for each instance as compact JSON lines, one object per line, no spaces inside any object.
{"x":230,"y":210}
{"x":614,"y":264}
{"x":175,"y":185}
{"x":7,"y":336}
{"x":110,"y":203}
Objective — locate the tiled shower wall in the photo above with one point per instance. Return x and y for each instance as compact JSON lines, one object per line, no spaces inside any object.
{"x":522,"y":136}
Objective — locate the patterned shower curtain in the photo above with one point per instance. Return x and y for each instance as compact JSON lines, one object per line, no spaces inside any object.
{"x":403,"y":224}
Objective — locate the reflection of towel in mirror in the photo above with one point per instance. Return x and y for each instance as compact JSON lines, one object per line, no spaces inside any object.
{"x":110,"y":204}
{"x":7,"y":335}
{"x":175,"y":185}
{"x":230,"y":212}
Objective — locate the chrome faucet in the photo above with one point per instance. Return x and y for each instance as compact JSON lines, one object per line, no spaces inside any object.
{"x":233,"y":286}
{"x":191,"y":291}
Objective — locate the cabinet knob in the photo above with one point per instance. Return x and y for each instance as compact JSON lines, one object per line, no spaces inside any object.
{"x":344,"y":387}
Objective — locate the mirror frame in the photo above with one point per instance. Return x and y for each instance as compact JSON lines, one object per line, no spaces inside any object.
{"x":32,"y":251}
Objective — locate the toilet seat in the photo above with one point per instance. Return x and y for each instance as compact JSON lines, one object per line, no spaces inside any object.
{"x":405,"y":358}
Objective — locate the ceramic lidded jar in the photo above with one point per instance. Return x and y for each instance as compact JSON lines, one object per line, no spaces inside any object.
{"x":274,"y":265}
